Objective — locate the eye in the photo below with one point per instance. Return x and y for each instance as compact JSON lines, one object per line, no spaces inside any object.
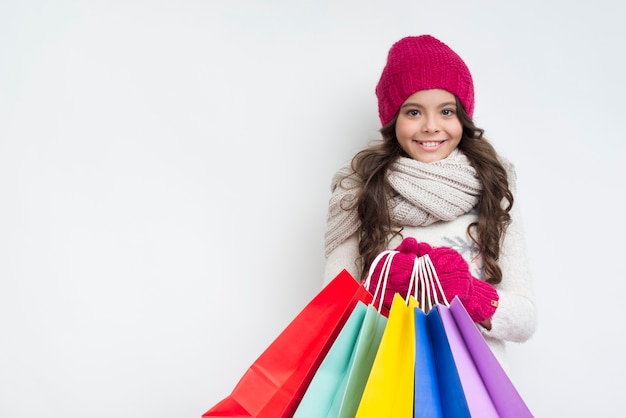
{"x":413,"y":112}
{"x":447,"y":112}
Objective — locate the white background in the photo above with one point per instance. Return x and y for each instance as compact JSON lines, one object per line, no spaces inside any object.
{"x":165,"y":170}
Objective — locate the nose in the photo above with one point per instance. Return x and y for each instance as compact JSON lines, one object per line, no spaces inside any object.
{"x":430,"y":124}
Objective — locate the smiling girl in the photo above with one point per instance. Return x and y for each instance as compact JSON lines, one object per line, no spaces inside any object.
{"x":434,"y":177}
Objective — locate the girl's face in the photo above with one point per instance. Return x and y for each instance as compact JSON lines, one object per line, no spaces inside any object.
{"x":428,"y":128}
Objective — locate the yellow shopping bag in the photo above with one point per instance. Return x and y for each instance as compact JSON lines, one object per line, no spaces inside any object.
{"x":389,"y":388}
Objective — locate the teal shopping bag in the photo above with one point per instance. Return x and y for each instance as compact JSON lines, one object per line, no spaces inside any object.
{"x":337,"y":386}
{"x":348,"y":396}
{"x":320,"y":392}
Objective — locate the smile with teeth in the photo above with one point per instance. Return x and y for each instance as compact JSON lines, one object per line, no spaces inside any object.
{"x":430,"y":144}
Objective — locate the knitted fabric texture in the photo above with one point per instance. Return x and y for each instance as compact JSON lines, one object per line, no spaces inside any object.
{"x":479,"y":298}
{"x":425,"y":193}
{"x":419,"y":63}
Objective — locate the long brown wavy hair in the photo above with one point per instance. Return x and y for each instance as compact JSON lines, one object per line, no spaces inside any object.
{"x":494,"y":203}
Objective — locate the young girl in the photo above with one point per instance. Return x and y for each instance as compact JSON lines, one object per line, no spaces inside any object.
{"x":435,"y":178}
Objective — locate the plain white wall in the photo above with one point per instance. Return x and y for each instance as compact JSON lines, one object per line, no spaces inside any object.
{"x":165,"y":168}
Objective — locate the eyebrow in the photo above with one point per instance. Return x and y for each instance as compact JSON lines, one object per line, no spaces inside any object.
{"x":445,"y":104}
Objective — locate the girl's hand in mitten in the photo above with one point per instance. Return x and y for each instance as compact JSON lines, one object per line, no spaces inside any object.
{"x":452,"y":271}
{"x":483,"y":303}
{"x":479,"y":298}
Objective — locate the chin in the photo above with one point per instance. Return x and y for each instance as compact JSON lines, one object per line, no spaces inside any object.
{"x":429,"y":158}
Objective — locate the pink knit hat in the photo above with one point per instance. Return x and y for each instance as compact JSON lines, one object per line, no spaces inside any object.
{"x":419,"y":63}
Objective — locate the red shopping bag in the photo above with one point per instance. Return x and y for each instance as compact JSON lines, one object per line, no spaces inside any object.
{"x":274,"y":384}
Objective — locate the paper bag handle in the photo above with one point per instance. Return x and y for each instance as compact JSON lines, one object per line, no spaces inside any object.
{"x":384,"y":275}
{"x":424,"y":282}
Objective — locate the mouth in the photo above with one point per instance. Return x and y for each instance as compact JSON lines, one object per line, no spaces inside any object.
{"x":430,"y":144}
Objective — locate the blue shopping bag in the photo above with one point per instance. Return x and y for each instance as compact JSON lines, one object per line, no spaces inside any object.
{"x":438,"y":389}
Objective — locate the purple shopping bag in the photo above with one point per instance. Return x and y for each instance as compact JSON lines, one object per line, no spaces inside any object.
{"x":476,"y":394}
{"x":503,"y":395}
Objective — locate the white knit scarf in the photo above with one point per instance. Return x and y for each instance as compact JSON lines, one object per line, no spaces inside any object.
{"x":424,"y":193}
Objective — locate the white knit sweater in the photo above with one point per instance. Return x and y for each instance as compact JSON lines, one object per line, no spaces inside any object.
{"x":515,"y":319}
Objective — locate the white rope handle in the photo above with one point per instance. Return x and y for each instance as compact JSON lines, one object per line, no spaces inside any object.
{"x":424,"y":283}
{"x":384,"y":275}
{"x":426,"y":290}
{"x":413,"y":282}
{"x":435,"y":280}
{"x":429,"y":283}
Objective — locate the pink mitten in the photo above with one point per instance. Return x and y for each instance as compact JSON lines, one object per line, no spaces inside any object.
{"x":452,"y":270}
{"x":479,"y":298}
{"x":399,"y":273}
{"x":484,"y":301}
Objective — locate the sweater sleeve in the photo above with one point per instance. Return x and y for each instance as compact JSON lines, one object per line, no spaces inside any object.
{"x":343,"y":257}
{"x":516,"y":317}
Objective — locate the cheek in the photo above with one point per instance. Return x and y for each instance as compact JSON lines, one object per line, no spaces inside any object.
{"x":456,"y":131}
{"x":459,"y":134}
{"x":403,"y":130}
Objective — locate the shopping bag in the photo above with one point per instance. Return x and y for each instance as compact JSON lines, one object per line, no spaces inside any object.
{"x":274,"y":384}
{"x":426,"y":390}
{"x":462,"y":358}
{"x":320,"y":392}
{"x":348,"y":396}
{"x":338,"y":383}
{"x":505,"y":397}
{"x":438,"y":390}
{"x":478,"y":400}
{"x":340,"y":379}
{"x":389,"y":388}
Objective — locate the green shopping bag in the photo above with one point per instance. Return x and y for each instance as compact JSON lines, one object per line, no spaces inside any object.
{"x":337,"y":386}
{"x":338,"y":383}
{"x":348,"y":396}
{"x":319,"y":394}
